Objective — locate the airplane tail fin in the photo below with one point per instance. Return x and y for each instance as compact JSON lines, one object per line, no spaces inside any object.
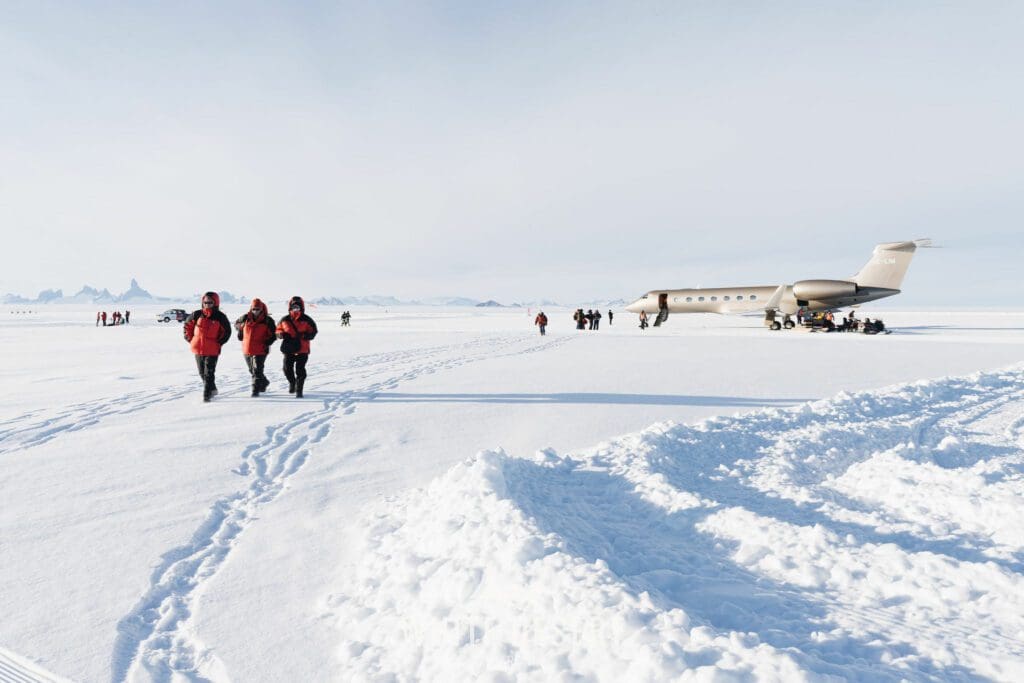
{"x":888,"y":264}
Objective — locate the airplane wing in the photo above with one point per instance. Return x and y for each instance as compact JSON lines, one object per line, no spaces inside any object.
{"x":776,"y":299}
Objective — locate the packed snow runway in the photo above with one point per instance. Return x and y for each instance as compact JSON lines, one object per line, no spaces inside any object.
{"x":458,"y":498}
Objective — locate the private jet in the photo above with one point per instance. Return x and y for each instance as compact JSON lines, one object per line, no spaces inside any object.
{"x":881,"y":277}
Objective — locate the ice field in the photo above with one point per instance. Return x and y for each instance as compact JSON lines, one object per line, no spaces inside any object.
{"x":458,"y":498}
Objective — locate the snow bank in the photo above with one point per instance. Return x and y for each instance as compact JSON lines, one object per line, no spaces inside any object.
{"x":868,"y":537}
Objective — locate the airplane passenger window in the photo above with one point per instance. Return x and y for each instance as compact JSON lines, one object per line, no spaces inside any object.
{"x":753,"y":297}
{"x":739,"y":298}
{"x":700,"y":298}
{"x":714,"y":298}
{"x":725,"y":298}
{"x":689,"y":299}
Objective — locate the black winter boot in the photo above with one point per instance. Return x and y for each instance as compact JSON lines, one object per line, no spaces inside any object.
{"x":298,"y":388}
{"x":255,"y":391}
{"x":291,"y":386}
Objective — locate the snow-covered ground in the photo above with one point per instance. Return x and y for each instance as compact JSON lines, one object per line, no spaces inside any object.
{"x":458,"y":498}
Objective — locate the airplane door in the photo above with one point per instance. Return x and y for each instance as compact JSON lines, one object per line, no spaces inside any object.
{"x":662,"y":309}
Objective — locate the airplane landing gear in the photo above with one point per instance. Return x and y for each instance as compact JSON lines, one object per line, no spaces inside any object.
{"x":773,"y":324}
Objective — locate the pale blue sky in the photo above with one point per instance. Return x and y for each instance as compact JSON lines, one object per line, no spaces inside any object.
{"x":514,"y":151}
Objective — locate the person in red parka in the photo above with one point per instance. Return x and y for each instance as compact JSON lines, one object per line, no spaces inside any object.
{"x":541,"y":321}
{"x":295,"y":331}
{"x":206,"y":330}
{"x":256,"y":332}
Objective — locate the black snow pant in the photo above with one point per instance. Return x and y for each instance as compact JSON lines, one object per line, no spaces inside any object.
{"x":207,"y":366}
{"x":542,"y":329}
{"x":295,"y":371}
{"x":255,"y":365}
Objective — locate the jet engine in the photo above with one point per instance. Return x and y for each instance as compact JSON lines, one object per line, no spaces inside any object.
{"x":823,"y":290}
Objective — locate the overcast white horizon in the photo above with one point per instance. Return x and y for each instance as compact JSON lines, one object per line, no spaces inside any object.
{"x":568,"y":151}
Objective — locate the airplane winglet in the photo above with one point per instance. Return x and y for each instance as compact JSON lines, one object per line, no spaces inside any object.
{"x":773,"y":303}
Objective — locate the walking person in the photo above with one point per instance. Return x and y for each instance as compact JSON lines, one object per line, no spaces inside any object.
{"x":206,"y":330}
{"x":97,"y":318}
{"x":541,"y":321}
{"x":643,"y":320}
{"x":104,"y":318}
{"x":597,"y":320}
{"x":127,"y":317}
{"x":295,"y":331}
{"x":609,"y":316}
{"x":256,"y":331}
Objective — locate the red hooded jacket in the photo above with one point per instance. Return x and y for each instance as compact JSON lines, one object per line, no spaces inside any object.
{"x":297,"y":324}
{"x":256,"y":331}
{"x":208,"y":329}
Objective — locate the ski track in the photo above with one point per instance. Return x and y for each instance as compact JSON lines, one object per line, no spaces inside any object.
{"x":155,"y":640}
{"x":24,"y":432}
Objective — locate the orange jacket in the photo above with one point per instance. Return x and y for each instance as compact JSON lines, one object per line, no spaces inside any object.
{"x":297,"y":324}
{"x":208,"y":329}
{"x":256,"y":332}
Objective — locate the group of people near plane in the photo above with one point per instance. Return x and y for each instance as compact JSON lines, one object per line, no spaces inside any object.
{"x":116,"y":318}
{"x":850,"y":323}
{"x":208,"y":329}
{"x":591,"y":320}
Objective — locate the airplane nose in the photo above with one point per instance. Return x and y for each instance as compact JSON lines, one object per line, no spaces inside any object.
{"x":636,"y":306}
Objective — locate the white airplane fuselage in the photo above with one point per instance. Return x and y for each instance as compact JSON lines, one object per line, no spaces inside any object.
{"x":879,"y":278}
{"x":738,"y":300}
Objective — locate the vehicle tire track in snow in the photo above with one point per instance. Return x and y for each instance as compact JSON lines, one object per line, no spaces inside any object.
{"x":155,"y":640}
{"x":26,"y":432}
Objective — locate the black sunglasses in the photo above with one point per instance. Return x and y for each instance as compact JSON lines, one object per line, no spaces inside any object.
{"x":295,"y":307}
{"x":208,"y":303}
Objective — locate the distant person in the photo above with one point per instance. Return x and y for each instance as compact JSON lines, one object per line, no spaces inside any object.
{"x":596,"y":320}
{"x":104,"y":318}
{"x":207,"y":330}
{"x":97,"y":318}
{"x":127,"y":317}
{"x":609,"y":316}
{"x":643,"y":320}
{"x":581,"y":319}
{"x":541,"y":321}
{"x":295,"y":331}
{"x":256,"y":331}
{"x":590,"y":319}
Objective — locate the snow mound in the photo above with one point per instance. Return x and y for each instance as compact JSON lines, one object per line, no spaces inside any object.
{"x":874,"y":536}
